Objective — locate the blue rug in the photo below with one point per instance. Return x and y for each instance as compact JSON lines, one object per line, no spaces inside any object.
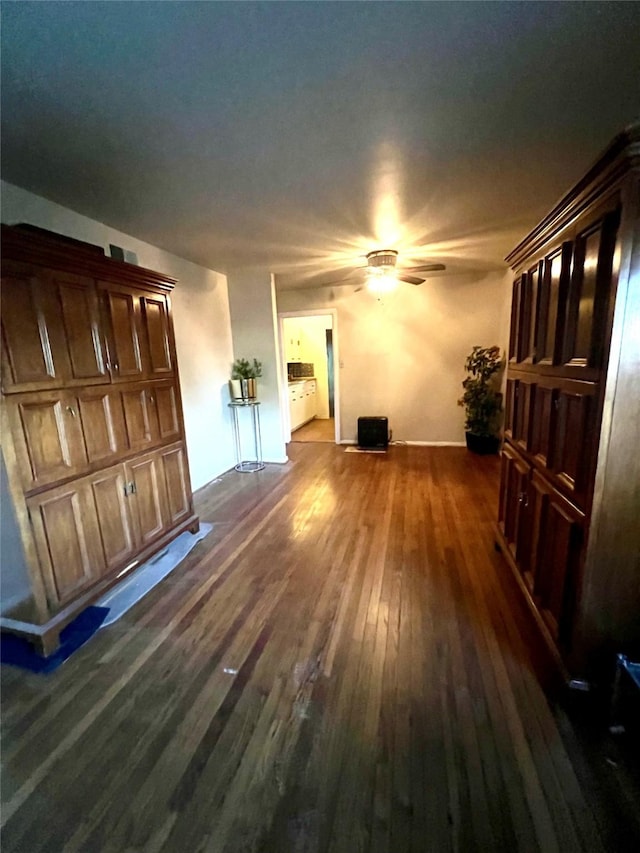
{"x":17,"y":651}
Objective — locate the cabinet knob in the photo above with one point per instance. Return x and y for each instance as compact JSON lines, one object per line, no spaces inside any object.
{"x":71,"y":411}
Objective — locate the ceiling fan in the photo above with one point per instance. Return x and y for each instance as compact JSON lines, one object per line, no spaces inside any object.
{"x":382,"y":267}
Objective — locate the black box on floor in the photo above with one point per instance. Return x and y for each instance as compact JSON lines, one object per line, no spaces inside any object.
{"x":373,"y":432}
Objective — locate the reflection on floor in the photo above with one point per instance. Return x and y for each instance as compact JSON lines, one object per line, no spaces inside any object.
{"x":316,"y":430}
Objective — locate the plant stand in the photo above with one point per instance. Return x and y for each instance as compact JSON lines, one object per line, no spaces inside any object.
{"x":246,"y":466}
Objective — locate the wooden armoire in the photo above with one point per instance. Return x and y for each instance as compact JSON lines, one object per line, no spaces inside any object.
{"x":569,"y":518}
{"x":92,"y":428}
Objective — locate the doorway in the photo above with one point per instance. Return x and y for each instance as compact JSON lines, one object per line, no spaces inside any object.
{"x":308,"y":353}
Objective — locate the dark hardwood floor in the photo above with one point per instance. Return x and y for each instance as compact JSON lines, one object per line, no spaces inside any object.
{"x":343,"y":664}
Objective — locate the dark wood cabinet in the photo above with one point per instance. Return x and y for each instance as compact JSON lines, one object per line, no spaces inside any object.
{"x":93,"y":433}
{"x":569,"y":499}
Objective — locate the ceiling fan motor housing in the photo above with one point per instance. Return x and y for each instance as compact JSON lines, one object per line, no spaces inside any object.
{"x":384,"y":259}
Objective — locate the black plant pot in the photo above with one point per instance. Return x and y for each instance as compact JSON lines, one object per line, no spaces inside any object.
{"x":482,"y":444}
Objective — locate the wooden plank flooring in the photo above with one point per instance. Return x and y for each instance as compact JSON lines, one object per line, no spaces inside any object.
{"x":342,"y":665}
{"x":319,"y":429}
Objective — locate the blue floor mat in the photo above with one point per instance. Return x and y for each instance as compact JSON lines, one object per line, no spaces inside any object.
{"x":17,"y":651}
{"x":107,"y":610}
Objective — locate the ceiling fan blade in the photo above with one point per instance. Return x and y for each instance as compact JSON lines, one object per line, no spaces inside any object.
{"x":425,"y":268}
{"x":410,"y":279}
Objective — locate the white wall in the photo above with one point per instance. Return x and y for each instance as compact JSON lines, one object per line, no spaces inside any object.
{"x":254,"y":324}
{"x":403,"y":356}
{"x":201,"y":318}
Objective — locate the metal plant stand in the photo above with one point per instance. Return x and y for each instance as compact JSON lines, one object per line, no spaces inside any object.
{"x":247,"y":465}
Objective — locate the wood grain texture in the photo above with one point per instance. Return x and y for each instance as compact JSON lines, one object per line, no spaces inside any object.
{"x":341,"y":665}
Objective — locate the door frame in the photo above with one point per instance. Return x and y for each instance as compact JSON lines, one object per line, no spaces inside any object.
{"x":284,"y":402}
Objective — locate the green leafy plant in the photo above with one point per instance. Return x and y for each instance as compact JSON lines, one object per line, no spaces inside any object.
{"x":242,"y":368}
{"x":482,"y":399}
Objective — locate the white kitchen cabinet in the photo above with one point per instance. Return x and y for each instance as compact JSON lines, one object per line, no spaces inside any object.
{"x":302,"y":402}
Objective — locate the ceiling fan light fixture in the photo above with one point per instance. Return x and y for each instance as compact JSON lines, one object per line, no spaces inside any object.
{"x":384,"y":259}
{"x":382,"y":280}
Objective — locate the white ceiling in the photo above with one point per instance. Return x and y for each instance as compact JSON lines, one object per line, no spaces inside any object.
{"x":300,"y":135}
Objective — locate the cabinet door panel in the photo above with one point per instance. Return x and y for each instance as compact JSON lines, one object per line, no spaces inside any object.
{"x":522,"y":421}
{"x":542,"y":423}
{"x":140,"y":417}
{"x":49,"y":439}
{"x":112,"y":507}
{"x":513,"y":495}
{"x":574,"y":443}
{"x":156,"y":321}
{"x":591,"y":283}
{"x":517,"y":319}
{"x":149,"y":501}
{"x":34,"y":351}
{"x":163,"y":398}
{"x":552,"y":303}
{"x":510,"y":408}
{"x":67,"y":539}
{"x":558,"y":533}
{"x":124,"y":321}
{"x":531,"y":315}
{"x":81,"y":318}
{"x":103,"y":424}
{"x":174,"y":466}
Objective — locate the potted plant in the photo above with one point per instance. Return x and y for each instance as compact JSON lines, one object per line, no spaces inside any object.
{"x":482,"y":399}
{"x":243,"y":385}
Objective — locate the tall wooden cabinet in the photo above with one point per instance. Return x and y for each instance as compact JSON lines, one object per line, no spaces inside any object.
{"x":569,"y":522}
{"x":93,"y":434}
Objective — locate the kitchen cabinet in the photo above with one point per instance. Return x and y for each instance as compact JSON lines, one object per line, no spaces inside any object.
{"x":93,"y":433}
{"x":302,"y":402}
{"x":295,"y":341}
{"x":568,"y":521}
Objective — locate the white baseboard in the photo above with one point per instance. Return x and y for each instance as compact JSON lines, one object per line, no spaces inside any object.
{"x":433,"y":443}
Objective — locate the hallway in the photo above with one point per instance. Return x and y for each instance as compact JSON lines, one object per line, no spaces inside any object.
{"x":319,"y":429}
{"x":341,"y":665}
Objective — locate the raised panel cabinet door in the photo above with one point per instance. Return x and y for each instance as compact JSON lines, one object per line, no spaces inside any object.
{"x":554,"y":287}
{"x":126,"y":343}
{"x":110,"y":491}
{"x":559,"y":537}
{"x":163,"y":398}
{"x":176,"y":476}
{"x":140,"y":415}
{"x":513,"y":495}
{"x":589,"y":289}
{"x":148,"y":497}
{"x":543,"y":414}
{"x":574,"y":443}
{"x":524,"y":393}
{"x":155,"y":316}
{"x":514,"y":337}
{"x":67,"y":540}
{"x":103,"y":424}
{"x":34,"y":352}
{"x":532,"y":314}
{"x":48,"y":437}
{"x":84,"y":336}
